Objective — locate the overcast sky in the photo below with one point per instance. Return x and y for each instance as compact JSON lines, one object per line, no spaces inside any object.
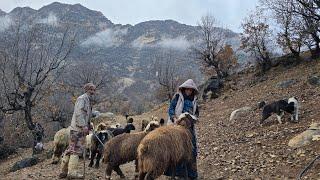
{"x":228,"y":12}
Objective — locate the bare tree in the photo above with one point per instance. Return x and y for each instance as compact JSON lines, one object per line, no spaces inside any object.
{"x":87,"y":71}
{"x":82,"y":72}
{"x":167,"y":73}
{"x":256,"y":39}
{"x":299,"y":24}
{"x":309,"y":10}
{"x":57,"y":106}
{"x":31,"y":57}
{"x":211,"y":44}
{"x":291,"y":36}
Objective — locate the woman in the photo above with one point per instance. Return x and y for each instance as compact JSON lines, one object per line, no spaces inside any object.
{"x":185,"y":100}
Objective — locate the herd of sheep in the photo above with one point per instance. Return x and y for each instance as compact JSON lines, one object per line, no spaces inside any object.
{"x":155,"y":149}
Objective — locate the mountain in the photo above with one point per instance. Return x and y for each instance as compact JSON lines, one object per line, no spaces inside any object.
{"x":129,"y":51}
{"x":2,"y":13}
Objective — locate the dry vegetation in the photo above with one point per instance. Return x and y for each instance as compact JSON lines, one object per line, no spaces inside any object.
{"x":237,"y":150}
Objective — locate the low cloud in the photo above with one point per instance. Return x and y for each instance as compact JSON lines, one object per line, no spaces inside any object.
{"x":51,"y":20}
{"x":106,"y":38}
{"x":179,"y":43}
{"x":5,"y":22}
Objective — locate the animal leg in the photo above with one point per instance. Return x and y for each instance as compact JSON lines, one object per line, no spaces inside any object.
{"x":279,"y":116}
{"x":119,"y":172}
{"x":142,"y":175}
{"x":148,"y":176}
{"x":292,"y":117}
{"x":173,"y":175}
{"x":185,"y":170}
{"x":136,"y":169}
{"x":93,"y":155}
{"x":264,"y":117}
{"x":296,"y":113}
{"x":99,"y":155}
{"x":108,"y":171}
{"x":55,"y":157}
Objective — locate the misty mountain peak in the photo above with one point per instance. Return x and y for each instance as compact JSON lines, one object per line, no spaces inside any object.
{"x":2,"y":13}
{"x":75,"y":13}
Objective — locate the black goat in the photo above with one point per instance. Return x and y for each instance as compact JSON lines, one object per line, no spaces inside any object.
{"x":117,"y":131}
{"x":97,"y":147}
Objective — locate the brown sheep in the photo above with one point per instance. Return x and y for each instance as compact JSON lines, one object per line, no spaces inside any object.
{"x":123,"y":148}
{"x":164,"y":148}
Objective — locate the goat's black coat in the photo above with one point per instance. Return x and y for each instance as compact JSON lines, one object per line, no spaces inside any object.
{"x":117,"y":131}
{"x":276,"y":107}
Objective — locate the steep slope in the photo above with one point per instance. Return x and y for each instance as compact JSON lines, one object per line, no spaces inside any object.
{"x":244,"y":150}
{"x":241,"y":149}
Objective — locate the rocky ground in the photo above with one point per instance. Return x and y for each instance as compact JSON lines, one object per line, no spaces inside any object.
{"x":239,"y":149}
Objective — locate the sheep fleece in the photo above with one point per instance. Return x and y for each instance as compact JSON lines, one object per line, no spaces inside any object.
{"x":163,"y":148}
{"x":122,"y":148}
{"x":61,"y":141}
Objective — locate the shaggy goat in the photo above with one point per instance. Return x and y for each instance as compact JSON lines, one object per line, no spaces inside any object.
{"x":118,"y":131}
{"x":114,"y":126}
{"x":97,"y":147}
{"x":60,"y":143}
{"x":123,"y":149}
{"x":130,"y":120}
{"x":279,"y":107}
{"x":102,"y":126}
{"x":166,"y":147}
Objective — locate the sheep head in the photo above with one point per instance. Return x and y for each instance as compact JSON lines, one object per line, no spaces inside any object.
{"x":101,"y":126}
{"x":186,"y":120}
{"x":130,"y":127}
{"x":154,"y":118}
{"x":261,"y":104}
{"x":151,"y":126}
{"x":130,"y":120}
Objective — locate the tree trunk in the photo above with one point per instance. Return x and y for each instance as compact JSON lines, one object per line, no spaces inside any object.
{"x":31,"y":127}
{"x":266,"y":65}
{"x":315,"y":53}
{"x":36,"y":132}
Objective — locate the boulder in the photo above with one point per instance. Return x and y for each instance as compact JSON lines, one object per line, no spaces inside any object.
{"x":103,"y":117}
{"x":314,"y":80}
{"x":236,"y":113}
{"x":211,"y":88}
{"x":28,"y":162}
{"x":6,"y":151}
{"x":107,"y":115}
{"x":287,"y":83}
{"x":305,"y":137}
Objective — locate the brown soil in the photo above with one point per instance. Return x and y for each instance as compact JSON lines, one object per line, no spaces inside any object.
{"x":232,"y":150}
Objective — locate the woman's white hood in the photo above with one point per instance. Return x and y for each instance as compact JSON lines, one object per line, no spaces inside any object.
{"x":189,"y":84}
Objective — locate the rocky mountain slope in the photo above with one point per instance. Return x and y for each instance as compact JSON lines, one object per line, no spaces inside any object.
{"x":240,"y":149}
{"x":128,"y":51}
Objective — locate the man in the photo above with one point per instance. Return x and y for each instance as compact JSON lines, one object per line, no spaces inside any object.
{"x":79,"y":128}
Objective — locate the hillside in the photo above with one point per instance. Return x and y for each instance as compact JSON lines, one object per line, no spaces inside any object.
{"x":128,"y":51}
{"x":241,"y":149}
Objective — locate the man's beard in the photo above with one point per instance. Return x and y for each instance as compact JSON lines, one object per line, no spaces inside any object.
{"x":91,"y":97}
